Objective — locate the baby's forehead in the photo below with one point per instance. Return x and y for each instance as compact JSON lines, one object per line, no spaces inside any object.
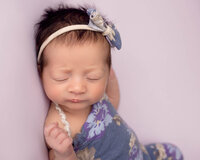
{"x":58,"y":48}
{"x":70,"y":42}
{"x":60,"y":43}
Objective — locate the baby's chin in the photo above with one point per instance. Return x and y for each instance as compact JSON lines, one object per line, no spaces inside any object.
{"x":76,"y":105}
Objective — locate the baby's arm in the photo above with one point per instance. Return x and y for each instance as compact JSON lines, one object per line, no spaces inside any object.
{"x":60,"y":143}
{"x":113,"y":89}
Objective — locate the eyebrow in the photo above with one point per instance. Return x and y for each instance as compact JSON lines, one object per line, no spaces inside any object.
{"x":65,"y":70}
{"x":87,"y":70}
{"x":91,"y":69}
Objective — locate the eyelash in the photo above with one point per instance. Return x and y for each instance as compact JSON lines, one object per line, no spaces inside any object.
{"x":61,"y":80}
{"x":88,"y":78}
{"x":93,"y":79}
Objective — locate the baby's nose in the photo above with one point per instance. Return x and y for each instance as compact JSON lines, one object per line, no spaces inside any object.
{"x":77,"y":87}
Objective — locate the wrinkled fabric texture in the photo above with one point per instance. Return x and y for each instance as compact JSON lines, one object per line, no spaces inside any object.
{"x":105,"y":136}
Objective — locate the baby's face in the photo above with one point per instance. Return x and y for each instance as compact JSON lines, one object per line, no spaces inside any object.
{"x":75,"y":76}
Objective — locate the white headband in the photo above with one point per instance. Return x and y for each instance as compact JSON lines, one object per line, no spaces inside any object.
{"x":59,"y":32}
{"x":96,"y":23}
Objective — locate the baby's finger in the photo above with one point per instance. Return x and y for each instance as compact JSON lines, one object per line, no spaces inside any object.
{"x":67,"y":142}
{"x":55,"y":132}
{"x":62,"y":136}
{"x":65,"y":145}
{"x":49,"y":128}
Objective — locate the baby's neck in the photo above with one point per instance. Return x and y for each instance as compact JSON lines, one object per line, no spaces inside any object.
{"x":76,"y":118}
{"x":76,"y":113}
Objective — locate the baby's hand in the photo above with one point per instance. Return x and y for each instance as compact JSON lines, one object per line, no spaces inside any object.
{"x":58,"y":139}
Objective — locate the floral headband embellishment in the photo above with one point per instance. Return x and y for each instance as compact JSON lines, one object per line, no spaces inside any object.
{"x":96,"y":23}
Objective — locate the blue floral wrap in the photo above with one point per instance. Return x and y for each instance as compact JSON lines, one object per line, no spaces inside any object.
{"x":105,"y":136}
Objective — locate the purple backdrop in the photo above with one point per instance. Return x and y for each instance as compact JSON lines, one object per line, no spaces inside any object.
{"x":158,"y":70}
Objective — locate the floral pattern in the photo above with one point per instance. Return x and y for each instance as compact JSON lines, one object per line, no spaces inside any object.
{"x":86,"y":154}
{"x":162,"y":154}
{"x":97,"y":121}
{"x":143,"y":149}
{"x":134,"y":152}
{"x":165,"y":151}
{"x":174,"y":151}
{"x":117,"y":119}
{"x":106,"y":136}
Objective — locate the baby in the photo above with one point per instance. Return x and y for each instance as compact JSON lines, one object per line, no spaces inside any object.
{"x":74,"y":61}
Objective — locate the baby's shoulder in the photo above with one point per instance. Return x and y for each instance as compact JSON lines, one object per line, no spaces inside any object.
{"x":53,"y":116}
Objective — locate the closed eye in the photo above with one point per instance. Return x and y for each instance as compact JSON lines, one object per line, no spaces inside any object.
{"x":61,"y":80}
{"x":94,"y":76}
{"x":93,"y":79}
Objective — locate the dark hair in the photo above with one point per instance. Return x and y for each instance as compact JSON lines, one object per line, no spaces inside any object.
{"x":54,"y":19}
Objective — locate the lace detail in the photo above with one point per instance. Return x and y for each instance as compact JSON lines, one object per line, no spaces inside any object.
{"x":63,"y":116}
{"x":63,"y":119}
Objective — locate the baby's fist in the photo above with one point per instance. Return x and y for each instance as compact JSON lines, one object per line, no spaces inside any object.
{"x":58,"y":139}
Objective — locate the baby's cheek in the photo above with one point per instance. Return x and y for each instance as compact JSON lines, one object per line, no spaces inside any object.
{"x":98,"y":93}
{"x":53,"y":94}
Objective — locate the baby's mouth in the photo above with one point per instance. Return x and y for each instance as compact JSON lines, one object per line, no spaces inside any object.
{"x":75,"y":100}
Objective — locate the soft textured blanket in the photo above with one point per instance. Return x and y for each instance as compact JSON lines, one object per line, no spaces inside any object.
{"x":105,"y":136}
